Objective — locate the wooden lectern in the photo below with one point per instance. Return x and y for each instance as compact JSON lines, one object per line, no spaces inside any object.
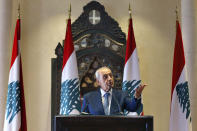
{"x":103,"y":123}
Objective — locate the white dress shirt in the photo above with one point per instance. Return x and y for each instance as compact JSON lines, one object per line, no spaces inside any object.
{"x":109,"y":98}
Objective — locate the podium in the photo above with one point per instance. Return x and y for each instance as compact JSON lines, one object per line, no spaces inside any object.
{"x":103,"y":123}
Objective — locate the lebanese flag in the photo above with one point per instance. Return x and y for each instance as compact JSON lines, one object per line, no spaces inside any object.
{"x":131,"y":77}
{"x":70,"y":97}
{"x":15,"y":116}
{"x":180,"y":115}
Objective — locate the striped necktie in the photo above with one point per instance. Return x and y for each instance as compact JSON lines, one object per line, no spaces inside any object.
{"x":106,"y":103}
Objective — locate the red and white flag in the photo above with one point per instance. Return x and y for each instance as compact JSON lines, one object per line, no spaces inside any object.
{"x":180,"y":115}
{"x":70,"y":95}
{"x":15,"y":116}
{"x":131,"y":77}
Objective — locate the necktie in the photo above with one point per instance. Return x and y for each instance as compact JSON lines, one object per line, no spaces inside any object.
{"x":106,"y":103}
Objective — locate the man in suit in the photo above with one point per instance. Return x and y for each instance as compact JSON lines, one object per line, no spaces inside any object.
{"x":109,"y":101}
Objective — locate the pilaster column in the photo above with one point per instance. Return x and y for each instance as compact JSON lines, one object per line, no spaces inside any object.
{"x":189,"y":31}
{"x":5,"y":24}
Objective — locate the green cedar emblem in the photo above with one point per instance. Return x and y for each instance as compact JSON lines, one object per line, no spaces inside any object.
{"x":183,"y":96}
{"x":130,"y":87}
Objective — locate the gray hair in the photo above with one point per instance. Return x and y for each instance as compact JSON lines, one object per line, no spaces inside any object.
{"x":97,"y":75}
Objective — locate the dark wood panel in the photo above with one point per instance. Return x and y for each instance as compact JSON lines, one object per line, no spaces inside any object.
{"x":103,"y":123}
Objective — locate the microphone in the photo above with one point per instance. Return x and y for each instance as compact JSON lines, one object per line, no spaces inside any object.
{"x":119,"y":108}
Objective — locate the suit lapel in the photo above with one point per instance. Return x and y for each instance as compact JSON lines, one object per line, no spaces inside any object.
{"x":99,"y":102}
{"x":114,"y":105}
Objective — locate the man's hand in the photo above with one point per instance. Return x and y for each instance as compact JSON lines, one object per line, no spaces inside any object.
{"x":139,"y":90}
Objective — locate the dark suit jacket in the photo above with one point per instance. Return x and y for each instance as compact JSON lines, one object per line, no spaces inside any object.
{"x":92,"y":103}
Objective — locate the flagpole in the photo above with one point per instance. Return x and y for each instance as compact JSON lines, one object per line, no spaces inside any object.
{"x":69,"y":11}
{"x":176,"y":11}
{"x":130,"y":15}
{"x":19,"y":15}
{"x":15,"y":117}
{"x":70,"y":90}
{"x":130,"y":12}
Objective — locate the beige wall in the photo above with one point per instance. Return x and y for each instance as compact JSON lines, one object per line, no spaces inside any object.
{"x":44,"y":25}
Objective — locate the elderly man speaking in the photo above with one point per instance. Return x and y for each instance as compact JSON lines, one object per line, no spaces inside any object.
{"x":109,"y":101}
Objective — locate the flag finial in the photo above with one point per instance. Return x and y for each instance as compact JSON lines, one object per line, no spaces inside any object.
{"x":19,"y":15}
{"x":69,"y":11}
{"x":130,"y":10}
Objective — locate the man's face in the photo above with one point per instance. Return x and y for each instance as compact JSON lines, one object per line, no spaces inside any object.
{"x":105,"y":80}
